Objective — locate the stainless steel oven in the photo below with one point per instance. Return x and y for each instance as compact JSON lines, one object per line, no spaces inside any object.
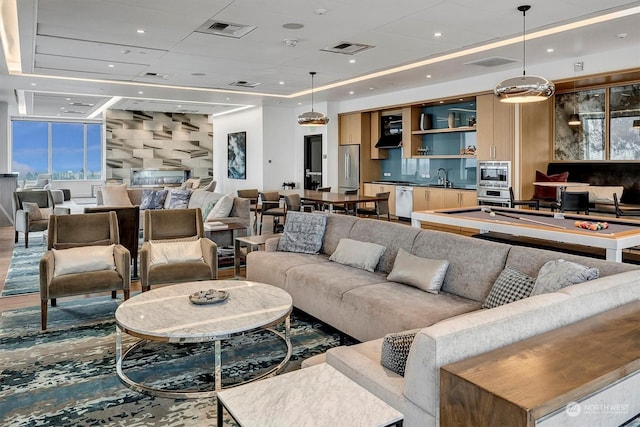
{"x":494,"y":180}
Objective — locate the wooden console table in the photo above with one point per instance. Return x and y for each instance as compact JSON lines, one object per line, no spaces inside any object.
{"x":534,"y":380}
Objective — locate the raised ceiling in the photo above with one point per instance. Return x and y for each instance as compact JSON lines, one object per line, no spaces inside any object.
{"x":193,"y":56}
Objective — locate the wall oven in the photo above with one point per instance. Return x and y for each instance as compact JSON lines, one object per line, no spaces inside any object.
{"x":494,"y":180}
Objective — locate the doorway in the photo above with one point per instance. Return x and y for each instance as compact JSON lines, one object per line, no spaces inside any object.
{"x":312,"y":162}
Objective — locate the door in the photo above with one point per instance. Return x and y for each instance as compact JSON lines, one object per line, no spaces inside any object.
{"x":312,"y":162}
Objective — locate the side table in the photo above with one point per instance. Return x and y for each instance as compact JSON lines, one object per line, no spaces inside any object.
{"x":318,"y":396}
{"x":251,"y":243}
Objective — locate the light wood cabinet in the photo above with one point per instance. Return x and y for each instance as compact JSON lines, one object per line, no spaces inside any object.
{"x":459,"y":198}
{"x":495,"y":128}
{"x":428,"y":198}
{"x":355,"y":128}
{"x":377,"y":153}
{"x":372,"y":189}
{"x":410,"y":141}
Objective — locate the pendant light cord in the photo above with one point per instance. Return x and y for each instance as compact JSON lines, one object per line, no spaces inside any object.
{"x":524,"y":42}
{"x":313,"y":73}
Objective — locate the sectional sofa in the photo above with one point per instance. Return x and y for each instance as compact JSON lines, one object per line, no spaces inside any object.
{"x":451,"y":325}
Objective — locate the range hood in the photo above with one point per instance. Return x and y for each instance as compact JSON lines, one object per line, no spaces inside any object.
{"x":389,"y":141}
{"x":391,"y":126}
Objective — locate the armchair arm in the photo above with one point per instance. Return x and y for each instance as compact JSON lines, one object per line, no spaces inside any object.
{"x":210,"y":255}
{"x":144,"y":257}
{"x":271,"y":245}
{"x":47,"y":265}
{"x":122,"y":259}
{"x":22,"y":220}
{"x":59,"y":210}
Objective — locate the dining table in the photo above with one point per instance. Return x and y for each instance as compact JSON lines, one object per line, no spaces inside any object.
{"x":560,"y":187}
{"x":331,"y":199}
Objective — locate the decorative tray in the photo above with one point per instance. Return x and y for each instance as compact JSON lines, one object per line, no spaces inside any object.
{"x":210,"y":296}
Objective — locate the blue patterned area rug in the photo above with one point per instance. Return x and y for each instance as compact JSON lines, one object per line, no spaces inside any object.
{"x":66,"y":375}
{"x":23,"y":274}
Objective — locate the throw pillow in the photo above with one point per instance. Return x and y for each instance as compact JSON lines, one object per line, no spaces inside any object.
{"x":115,"y":195}
{"x":422,"y":273}
{"x":222,"y":208}
{"x":555,"y":275}
{"x":211,"y":187}
{"x":548,"y":192}
{"x":83,"y":259}
{"x":179,"y":199}
{"x":168,"y":252}
{"x":303,"y":232}
{"x":206,"y":208}
{"x":153,"y":199}
{"x":33,"y":210}
{"x":510,"y":286}
{"x":395,"y":350}
{"x":354,"y":253}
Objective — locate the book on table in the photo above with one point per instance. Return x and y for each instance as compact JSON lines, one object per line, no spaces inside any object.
{"x":215,"y":225}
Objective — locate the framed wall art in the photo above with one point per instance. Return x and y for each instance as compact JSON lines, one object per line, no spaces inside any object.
{"x":237,"y":155}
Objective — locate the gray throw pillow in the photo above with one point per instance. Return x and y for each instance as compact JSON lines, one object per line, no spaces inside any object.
{"x":395,"y":350}
{"x":354,"y":253}
{"x":153,"y":199}
{"x":555,"y":275}
{"x":303,"y":232}
{"x":510,"y":286}
{"x":422,"y":273}
{"x":179,"y":199}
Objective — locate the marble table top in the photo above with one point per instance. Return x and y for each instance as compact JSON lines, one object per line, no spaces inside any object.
{"x":316,"y":396}
{"x":166,"y":314}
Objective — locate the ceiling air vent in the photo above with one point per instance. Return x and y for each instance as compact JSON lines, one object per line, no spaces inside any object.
{"x":162,"y":76}
{"x":347,"y":48}
{"x":225,"y":29}
{"x":243,"y":83}
{"x":492,"y":61}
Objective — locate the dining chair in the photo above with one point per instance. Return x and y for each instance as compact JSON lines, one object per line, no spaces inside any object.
{"x":271,"y":207}
{"x":575,"y":201}
{"x":533,"y":203}
{"x":381,"y":207}
{"x":321,"y":206}
{"x":252,"y":194}
{"x":347,"y":208}
{"x":292,"y":202}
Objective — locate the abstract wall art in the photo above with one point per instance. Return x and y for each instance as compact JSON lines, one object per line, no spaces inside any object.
{"x":237,"y":155}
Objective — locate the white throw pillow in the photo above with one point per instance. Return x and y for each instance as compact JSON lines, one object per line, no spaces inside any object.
{"x":83,"y":259}
{"x":115,"y":195}
{"x":178,"y":251}
{"x":354,"y":253}
{"x":222,"y":208}
{"x":422,"y":273}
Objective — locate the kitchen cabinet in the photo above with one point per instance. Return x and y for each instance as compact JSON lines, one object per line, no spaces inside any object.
{"x":454,"y":198}
{"x":355,"y":128}
{"x":495,"y":128}
{"x":370,"y":189}
{"x":376,"y":153}
{"x":428,"y":198}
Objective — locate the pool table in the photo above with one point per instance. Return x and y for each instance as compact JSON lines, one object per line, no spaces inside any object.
{"x":541,"y":225}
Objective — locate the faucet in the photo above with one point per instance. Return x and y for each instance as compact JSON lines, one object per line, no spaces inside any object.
{"x":444,"y":180}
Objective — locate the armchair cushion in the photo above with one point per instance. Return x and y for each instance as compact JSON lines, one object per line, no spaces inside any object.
{"x":174,"y":252}
{"x":33,"y":210}
{"x":115,"y":195}
{"x":222,"y":208}
{"x":83,"y":259}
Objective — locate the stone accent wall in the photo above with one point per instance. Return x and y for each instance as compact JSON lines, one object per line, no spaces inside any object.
{"x":139,"y":139}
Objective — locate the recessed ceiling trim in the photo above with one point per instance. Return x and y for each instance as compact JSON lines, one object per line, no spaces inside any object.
{"x":492,"y":61}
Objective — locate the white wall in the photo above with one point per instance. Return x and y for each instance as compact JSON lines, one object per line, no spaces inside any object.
{"x":283,"y":149}
{"x":5,"y":164}
{"x":250,"y":121}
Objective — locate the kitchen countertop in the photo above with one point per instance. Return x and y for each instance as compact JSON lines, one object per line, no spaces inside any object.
{"x":425,"y":184}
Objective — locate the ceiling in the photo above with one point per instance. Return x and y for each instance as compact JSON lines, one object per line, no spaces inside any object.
{"x":77,"y":55}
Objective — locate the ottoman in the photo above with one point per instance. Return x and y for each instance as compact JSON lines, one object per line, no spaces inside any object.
{"x":66,"y":193}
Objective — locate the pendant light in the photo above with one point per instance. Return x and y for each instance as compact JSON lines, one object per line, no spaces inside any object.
{"x":312,"y":118}
{"x":524,"y":88}
{"x":574,"y":119}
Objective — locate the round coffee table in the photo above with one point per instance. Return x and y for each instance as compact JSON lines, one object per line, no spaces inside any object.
{"x":167,"y":315}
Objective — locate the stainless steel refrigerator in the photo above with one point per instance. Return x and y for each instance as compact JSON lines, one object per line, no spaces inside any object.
{"x":348,"y":167}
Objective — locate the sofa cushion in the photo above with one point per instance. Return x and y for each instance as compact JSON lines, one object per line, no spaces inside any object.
{"x":210,"y":187}
{"x":35,"y":214}
{"x":175,"y":251}
{"x":548,"y":192}
{"x":395,"y":350}
{"x":557,"y":274}
{"x":354,"y":253}
{"x":115,"y":195}
{"x":153,"y":199}
{"x":83,"y":259}
{"x":303,"y":232}
{"x":178,"y":199}
{"x":510,"y":286}
{"x":422,"y":273}
{"x":222,"y":208}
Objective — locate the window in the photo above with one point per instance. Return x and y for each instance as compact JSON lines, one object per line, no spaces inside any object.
{"x":66,"y":150}
{"x":605,"y":131}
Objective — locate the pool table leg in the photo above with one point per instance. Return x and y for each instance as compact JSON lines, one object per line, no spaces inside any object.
{"x":614,"y":255}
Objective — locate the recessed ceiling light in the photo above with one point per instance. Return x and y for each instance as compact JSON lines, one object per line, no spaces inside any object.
{"x":140,"y":92}
{"x":228,"y":99}
{"x":352,"y":61}
{"x":33,"y":84}
{"x":68,"y":99}
{"x":351,"y":92}
{"x":441,"y":102}
{"x":281,"y":83}
{"x":372,"y":88}
{"x":621,"y":35}
{"x":320,"y":11}
{"x":461,"y":99}
{"x":179,"y":106}
{"x":111,"y":65}
{"x":437,"y":34}
{"x":549,"y":50}
{"x":299,"y":103}
{"x":140,"y":31}
{"x":428,"y":76}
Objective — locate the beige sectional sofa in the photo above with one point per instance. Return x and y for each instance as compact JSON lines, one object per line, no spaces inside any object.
{"x":452,"y":324}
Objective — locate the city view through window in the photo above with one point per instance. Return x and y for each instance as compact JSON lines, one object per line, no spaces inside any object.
{"x":65,"y":150}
